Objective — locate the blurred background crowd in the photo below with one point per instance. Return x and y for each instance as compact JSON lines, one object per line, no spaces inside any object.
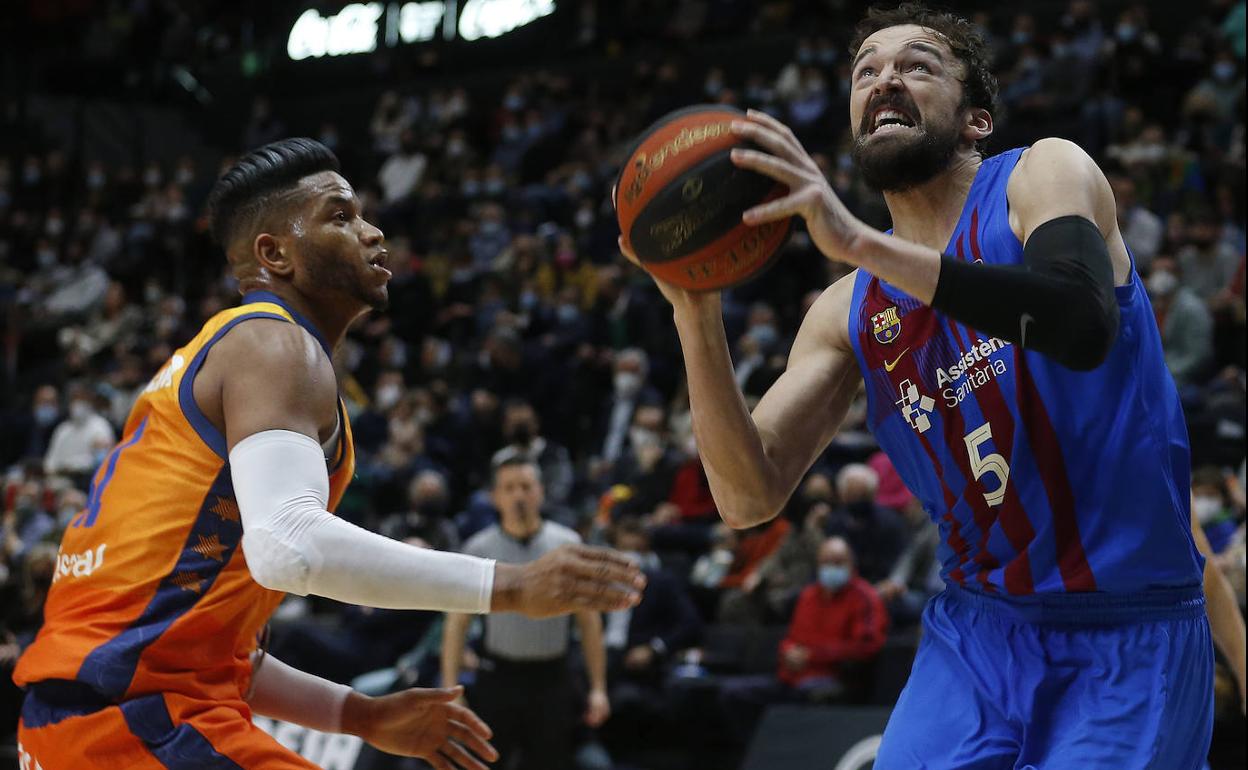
{"x":516,"y":331}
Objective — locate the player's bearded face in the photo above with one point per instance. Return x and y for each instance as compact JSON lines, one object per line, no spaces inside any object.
{"x":335,"y":264}
{"x":896,"y":161}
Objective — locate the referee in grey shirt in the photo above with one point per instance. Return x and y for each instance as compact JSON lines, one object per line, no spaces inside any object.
{"x":524,"y":688}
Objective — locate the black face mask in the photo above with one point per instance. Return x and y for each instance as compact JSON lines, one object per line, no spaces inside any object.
{"x":432,"y":509}
{"x":861,"y":509}
{"x":522,"y":434}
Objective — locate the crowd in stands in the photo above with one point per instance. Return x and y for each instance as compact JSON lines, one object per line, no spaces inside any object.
{"x":516,"y":332}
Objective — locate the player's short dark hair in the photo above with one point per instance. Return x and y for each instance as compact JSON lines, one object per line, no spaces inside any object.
{"x":242,"y":193}
{"x":979,"y":85}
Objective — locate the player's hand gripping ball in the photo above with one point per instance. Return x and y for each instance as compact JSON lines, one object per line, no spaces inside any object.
{"x":679,"y":200}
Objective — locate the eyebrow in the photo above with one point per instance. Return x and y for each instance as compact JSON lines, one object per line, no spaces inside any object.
{"x":861,"y":53}
{"x":918,"y":45}
{"x":926,"y":47}
{"x":339,"y":199}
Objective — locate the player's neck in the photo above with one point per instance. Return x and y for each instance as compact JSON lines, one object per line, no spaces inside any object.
{"x":929,"y":213}
{"x":330,"y":323}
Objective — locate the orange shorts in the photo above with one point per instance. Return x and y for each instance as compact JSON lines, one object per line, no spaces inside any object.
{"x":153,"y":732}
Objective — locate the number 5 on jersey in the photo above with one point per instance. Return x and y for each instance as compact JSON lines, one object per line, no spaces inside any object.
{"x":984,"y":464}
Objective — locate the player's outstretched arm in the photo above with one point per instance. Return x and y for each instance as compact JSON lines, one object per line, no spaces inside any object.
{"x":1060,"y":302}
{"x":754,"y":461}
{"x":417,"y":722}
{"x":279,"y":397}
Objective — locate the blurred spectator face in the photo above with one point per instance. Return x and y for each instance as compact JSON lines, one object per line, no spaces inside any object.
{"x":646,"y":433}
{"x":836,"y":564}
{"x":520,"y":424}
{"x":72,"y":501}
{"x":388,"y":391}
{"x":630,"y":373}
{"x":1124,"y":194}
{"x":856,"y":483}
{"x":428,"y":496}
{"x":1163,"y":281}
{"x":46,"y":405}
{"x":1208,"y":494}
{"x":80,"y":407}
{"x":818,"y":488}
{"x":518,"y":495}
{"x":906,"y":119}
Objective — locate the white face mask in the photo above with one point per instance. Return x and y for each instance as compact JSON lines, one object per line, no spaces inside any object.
{"x":1162,"y":283}
{"x":388,"y":396}
{"x":79,"y":411}
{"x":627,"y":383}
{"x":1206,"y":508}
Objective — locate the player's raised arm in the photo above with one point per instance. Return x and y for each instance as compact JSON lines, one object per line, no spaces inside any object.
{"x":754,"y":462}
{"x":277,"y":402}
{"x":1059,"y":302}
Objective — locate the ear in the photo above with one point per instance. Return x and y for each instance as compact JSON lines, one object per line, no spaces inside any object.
{"x":271,"y":255}
{"x":978,"y":125}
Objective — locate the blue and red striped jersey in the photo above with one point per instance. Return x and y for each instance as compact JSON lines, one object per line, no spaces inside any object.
{"x":1042,"y":479}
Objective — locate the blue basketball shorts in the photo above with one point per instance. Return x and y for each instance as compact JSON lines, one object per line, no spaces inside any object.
{"x":1056,"y":682}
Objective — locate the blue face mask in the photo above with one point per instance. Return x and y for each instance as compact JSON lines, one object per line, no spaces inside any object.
{"x":833,"y":577}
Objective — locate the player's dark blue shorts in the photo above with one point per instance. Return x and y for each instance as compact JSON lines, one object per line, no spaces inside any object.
{"x":1086,"y":681}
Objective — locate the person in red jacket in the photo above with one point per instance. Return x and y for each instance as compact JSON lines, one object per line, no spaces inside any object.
{"x":839,"y":618}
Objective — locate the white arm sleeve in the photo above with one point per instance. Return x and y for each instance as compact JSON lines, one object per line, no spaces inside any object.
{"x":281,"y":692}
{"x":292,"y":543}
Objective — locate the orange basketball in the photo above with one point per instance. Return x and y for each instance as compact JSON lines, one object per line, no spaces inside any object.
{"x":679,"y":200}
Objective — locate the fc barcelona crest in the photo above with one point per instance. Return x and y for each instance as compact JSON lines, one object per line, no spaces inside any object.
{"x":886,"y":325}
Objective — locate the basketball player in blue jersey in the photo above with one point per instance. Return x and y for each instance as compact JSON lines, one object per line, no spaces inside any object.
{"x":1014,"y":374}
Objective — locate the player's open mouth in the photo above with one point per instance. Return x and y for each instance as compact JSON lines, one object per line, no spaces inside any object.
{"x":378,"y":262}
{"x":890,"y":120}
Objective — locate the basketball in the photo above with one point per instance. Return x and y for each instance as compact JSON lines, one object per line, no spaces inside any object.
{"x":679,"y":200}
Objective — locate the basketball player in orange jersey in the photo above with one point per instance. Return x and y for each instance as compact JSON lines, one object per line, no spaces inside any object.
{"x":218,"y":500}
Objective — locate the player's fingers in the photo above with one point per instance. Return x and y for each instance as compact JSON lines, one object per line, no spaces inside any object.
{"x":604,"y":597}
{"x":439,"y":762}
{"x":778,"y":169}
{"x":608,"y":566}
{"x":780,"y":208}
{"x":775,"y":125}
{"x":460,"y":758}
{"x":464,"y":716}
{"x":627,"y":252}
{"x":473,"y":742}
{"x":771,"y":140}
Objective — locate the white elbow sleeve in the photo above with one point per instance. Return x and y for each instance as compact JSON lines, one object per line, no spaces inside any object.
{"x":293,"y":543}
{"x":282,"y":489}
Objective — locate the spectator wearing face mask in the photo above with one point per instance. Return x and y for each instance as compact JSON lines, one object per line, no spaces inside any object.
{"x":839,"y":620}
{"x":877,"y":533}
{"x":26,"y":435}
{"x":641,"y":640}
{"x":629,"y":390}
{"x":1207,"y":263}
{"x":80,"y":443}
{"x":1141,"y":229}
{"x":427,"y":517}
{"x":1185,"y":324}
{"x":522,"y":430}
{"x":1211,"y":507}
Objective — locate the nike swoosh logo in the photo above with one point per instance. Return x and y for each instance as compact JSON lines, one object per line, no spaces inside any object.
{"x":1023,"y":320}
{"x":891,"y":365}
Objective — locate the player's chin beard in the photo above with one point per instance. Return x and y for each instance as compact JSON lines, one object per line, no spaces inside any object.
{"x":898,"y":162}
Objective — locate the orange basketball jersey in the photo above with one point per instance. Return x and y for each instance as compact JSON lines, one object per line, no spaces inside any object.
{"x":152,"y":592}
